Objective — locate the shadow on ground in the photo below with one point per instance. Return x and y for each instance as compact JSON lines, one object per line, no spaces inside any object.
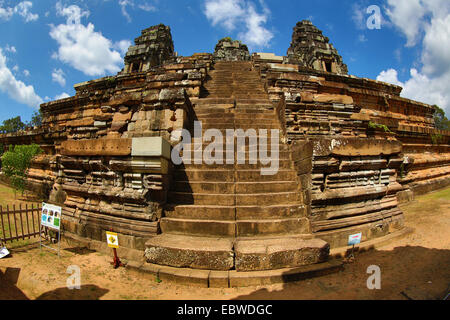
{"x":414,"y":273}
{"x":10,"y":291}
{"x":80,"y":250}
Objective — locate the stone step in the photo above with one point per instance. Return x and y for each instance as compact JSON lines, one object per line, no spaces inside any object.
{"x":265,"y":187}
{"x":232,"y":188}
{"x":231,"y":229}
{"x":214,"y":115}
{"x":223,"y":254}
{"x":238,"y":94}
{"x":200,"y":228}
{"x":243,"y":108}
{"x":190,"y":252}
{"x":234,"y":279}
{"x":199,"y":198}
{"x":270,"y":212}
{"x":244,"y":103}
{"x":205,"y":175}
{"x":204,"y":187}
{"x":203,"y":212}
{"x":214,"y":166}
{"x":271,"y":227}
{"x":234,"y":83}
{"x":265,"y":199}
{"x":241,"y":125}
{"x":277,"y":253}
{"x":282,"y":155}
{"x":232,"y":213}
{"x":213,"y":101}
{"x":255,"y":175}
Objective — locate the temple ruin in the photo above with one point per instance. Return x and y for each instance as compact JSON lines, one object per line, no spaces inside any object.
{"x":350,"y":150}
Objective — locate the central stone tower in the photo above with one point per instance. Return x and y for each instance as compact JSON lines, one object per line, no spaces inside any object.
{"x":228,"y":49}
{"x":153,"y":48}
{"x":309,"y":48}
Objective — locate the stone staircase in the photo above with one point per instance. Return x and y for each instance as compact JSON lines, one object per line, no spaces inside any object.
{"x":230,"y":216}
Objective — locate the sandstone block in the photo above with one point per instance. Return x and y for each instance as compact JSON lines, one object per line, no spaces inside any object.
{"x":172,"y":95}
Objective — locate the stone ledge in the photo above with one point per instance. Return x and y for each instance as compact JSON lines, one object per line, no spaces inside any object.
{"x":234,"y":279}
{"x":96,"y":147}
{"x":372,"y":244}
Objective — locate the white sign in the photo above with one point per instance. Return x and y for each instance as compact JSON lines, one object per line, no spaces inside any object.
{"x":3,"y":253}
{"x":354,"y":239}
{"x":51,"y":216}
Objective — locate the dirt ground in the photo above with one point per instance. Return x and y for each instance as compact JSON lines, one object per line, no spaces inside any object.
{"x":416,"y":267}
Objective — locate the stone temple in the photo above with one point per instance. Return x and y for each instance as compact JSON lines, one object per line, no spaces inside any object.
{"x":350,"y":149}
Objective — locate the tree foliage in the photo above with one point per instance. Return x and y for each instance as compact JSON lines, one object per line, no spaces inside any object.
{"x":12,"y":125}
{"x":16,"y":124}
{"x":16,"y":163}
{"x":36,"y":119}
{"x":440,"y":120}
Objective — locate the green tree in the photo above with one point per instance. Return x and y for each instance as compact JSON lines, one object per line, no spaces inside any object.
{"x":16,"y":163}
{"x":36,"y":119}
{"x":440,"y":120}
{"x":12,"y":125}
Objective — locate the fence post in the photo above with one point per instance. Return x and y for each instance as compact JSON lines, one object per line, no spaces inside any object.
{"x":15,"y":222}
{"x":21,"y":221}
{"x":9,"y":222}
{"x":28,"y":220}
{"x":3,"y":225}
{"x":32,"y":219}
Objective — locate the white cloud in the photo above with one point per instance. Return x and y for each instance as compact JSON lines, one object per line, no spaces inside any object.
{"x":6,"y":13}
{"x":81,"y":46}
{"x":122,"y":46}
{"x":130,"y":3}
{"x":421,"y":88}
{"x":226,"y":13}
{"x":123,"y":4}
{"x":16,"y":89}
{"x":436,"y":47}
{"x":26,"y":73}
{"x":23,"y":9}
{"x":425,"y":22}
{"x":362,"y":38}
{"x":241,"y":14}
{"x":147,"y":7}
{"x":11,"y":49}
{"x":62,"y":96}
{"x":15,"y":68}
{"x":58,"y":76}
{"x":411,"y":16}
{"x":358,"y":16}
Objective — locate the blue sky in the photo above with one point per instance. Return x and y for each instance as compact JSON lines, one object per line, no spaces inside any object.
{"x":46,"y":47}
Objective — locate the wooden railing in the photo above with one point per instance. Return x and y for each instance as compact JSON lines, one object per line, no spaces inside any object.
{"x":19,"y":223}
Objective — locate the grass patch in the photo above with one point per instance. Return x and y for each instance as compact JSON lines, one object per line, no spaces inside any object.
{"x":438,"y":195}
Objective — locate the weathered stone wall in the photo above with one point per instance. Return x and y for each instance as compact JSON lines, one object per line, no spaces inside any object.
{"x":106,"y":150}
{"x":355,"y":188}
{"x":229,"y":50}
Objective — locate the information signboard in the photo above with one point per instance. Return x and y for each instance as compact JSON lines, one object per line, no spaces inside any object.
{"x":354,"y":239}
{"x":51,"y":216}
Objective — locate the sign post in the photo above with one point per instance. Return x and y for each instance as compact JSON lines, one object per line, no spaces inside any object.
{"x":51,"y":218}
{"x":113,"y":242}
{"x":353,"y":240}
